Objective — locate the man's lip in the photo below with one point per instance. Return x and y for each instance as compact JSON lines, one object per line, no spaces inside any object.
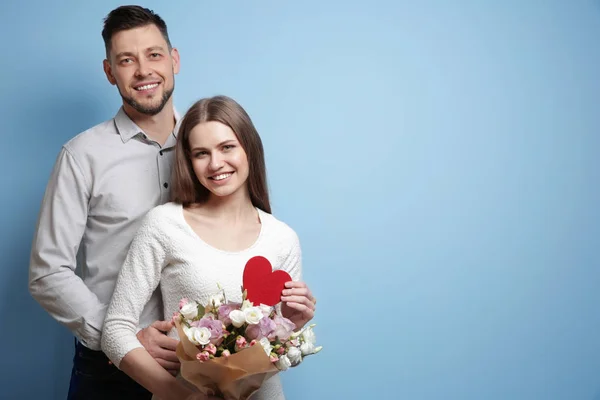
{"x":139,"y":85}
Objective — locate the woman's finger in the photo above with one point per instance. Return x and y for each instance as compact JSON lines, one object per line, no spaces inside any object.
{"x":297,"y":292}
{"x":295,"y":284}
{"x":300,"y":300}
{"x":302,"y":308}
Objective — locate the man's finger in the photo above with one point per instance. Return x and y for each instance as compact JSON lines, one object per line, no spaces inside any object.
{"x":163,"y":326}
{"x":167,"y":355}
{"x":167,"y":343}
{"x":168,"y":365}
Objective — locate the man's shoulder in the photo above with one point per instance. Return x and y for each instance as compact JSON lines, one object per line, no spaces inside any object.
{"x":88,"y":141}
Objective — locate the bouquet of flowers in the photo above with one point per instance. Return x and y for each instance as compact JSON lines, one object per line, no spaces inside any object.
{"x":230,"y":349}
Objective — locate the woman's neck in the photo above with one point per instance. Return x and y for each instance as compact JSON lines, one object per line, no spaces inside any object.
{"x":236,"y":207}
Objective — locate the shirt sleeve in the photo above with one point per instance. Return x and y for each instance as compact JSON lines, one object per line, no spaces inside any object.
{"x":61,"y":225}
{"x":137,"y":280}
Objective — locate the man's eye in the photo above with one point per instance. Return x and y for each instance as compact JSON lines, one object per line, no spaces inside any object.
{"x":126,"y":61}
{"x":155,"y":55}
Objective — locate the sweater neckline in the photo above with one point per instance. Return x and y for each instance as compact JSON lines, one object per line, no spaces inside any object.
{"x":204,"y":243}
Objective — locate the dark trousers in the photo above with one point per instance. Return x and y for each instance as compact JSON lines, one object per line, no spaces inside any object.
{"x":94,"y":377}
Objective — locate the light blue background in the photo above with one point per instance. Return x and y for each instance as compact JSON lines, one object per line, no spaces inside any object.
{"x":439,"y":160}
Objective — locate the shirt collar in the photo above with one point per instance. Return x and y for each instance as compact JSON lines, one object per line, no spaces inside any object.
{"x":128,"y":129}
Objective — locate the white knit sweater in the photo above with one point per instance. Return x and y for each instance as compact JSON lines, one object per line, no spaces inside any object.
{"x":168,"y":252}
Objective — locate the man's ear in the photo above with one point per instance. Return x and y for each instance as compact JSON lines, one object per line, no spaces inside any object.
{"x":108,"y":72}
{"x":175,"y":58}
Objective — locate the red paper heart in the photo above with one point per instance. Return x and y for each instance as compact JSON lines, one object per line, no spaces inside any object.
{"x":264,"y":285}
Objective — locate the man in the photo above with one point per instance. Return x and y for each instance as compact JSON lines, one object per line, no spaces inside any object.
{"x":104,"y":181}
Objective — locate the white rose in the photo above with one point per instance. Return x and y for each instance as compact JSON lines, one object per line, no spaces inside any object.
{"x":295,"y":355}
{"x":218,"y":299}
{"x":246,"y":304}
{"x":264,"y":342}
{"x":307,"y":348}
{"x":199,"y":335}
{"x":283,"y":363}
{"x":190,"y":310}
{"x":266,"y":310}
{"x":253,"y":315}
{"x":309,"y":336}
{"x":237,"y":318}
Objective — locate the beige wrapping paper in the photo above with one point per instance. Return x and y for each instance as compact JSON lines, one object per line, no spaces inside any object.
{"x":235,"y":377}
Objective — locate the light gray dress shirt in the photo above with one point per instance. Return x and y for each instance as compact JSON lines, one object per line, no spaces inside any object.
{"x":104,"y":181}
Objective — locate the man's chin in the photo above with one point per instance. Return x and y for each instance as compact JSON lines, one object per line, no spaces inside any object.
{"x":149,"y":106}
{"x":146,"y":108}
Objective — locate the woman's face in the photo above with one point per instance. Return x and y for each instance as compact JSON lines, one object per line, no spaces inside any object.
{"x":219,"y":161}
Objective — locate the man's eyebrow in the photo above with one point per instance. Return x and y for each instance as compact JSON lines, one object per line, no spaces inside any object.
{"x":124,"y":53}
{"x":130,"y":54}
{"x":154,"y":48}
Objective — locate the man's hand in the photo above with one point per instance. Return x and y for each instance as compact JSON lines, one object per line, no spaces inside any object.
{"x":200,"y":396}
{"x":160,"y":346}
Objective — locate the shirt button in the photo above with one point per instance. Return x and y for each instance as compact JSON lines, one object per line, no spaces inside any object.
{"x":166,"y":185}
{"x":160,"y":152}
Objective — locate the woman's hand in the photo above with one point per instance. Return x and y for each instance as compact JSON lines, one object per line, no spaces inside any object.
{"x":298,"y":303}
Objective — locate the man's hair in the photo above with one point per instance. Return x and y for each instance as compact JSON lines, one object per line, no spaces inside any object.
{"x":186,"y":188}
{"x":129,"y":17}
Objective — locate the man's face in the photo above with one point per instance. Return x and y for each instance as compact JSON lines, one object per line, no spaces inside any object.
{"x":143,"y":69}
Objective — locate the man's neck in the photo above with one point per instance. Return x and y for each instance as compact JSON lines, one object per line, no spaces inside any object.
{"x":157,"y":127}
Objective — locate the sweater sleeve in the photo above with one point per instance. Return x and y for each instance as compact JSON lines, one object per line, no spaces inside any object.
{"x":293,"y":261}
{"x":138,"y":278}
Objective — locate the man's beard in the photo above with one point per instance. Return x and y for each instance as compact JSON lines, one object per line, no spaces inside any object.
{"x":149,"y":110}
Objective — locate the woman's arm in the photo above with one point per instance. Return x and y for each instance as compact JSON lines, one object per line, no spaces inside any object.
{"x":298,"y":303}
{"x":145,"y":370}
{"x":137,"y":280}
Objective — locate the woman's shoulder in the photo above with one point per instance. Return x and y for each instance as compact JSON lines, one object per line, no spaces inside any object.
{"x":278,"y":228}
{"x":162,"y":216}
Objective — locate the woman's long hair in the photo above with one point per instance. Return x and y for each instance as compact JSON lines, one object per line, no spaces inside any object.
{"x":186,"y":188}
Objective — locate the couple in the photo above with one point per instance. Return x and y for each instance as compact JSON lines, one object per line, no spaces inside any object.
{"x":153,"y":208}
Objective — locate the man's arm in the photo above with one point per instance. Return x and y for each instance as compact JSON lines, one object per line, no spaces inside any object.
{"x":52,"y":279}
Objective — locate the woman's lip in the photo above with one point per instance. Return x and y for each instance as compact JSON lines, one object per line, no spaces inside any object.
{"x":223,"y":173}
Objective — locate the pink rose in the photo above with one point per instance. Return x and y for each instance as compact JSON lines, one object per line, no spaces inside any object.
{"x":273,"y":358}
{"x":264,"y":328}
{"x":283,"y":328}
{"x":252,"y":343}
{"x":203,"y":356}
{"x":224,"y":311}
{"x":226,"y":353}
{"x":214,"y":326}
{"x":210,"y":349}
{"x":240,"y":343}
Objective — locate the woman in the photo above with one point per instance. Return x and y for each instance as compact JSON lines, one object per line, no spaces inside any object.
{"x":219,"y":217}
